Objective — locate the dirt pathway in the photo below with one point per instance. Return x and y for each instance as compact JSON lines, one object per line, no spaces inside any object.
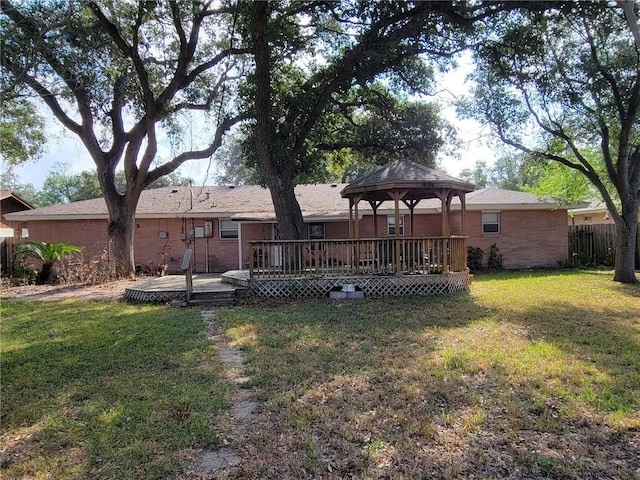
{"x":232,"y":426}
{"x":216,"y":463}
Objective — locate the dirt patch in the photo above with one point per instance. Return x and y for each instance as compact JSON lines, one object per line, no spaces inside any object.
{"x":107,"y":291}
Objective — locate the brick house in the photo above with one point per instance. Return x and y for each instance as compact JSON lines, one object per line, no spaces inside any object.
{"x":596,"y":213}
{"x":217,"y":223}
{"x":11,"y":231}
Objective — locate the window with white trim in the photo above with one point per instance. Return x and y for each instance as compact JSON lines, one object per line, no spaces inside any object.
{"x":228,"y":230}
{"x":316,"y":231}
{"x":391,"y":226}
{"x":491,"y":222}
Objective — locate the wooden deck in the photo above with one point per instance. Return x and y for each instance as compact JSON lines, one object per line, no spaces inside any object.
{"x":221,"y":289}
{"x":207,"y":289}
{"x":371,"y":285}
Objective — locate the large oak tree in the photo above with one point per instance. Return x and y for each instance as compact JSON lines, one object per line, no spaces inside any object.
{"x":122,"y":75}
{"x":359,"y":43}
{"x":561,"y":85}
{"x":309,"y":56}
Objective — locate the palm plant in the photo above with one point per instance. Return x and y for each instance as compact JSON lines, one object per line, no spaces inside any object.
{"x":47,"y":253}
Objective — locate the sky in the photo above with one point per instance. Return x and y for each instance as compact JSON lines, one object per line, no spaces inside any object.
{"x":64,"y":147}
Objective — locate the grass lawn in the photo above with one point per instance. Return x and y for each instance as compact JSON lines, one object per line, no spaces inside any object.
{"x":104,"y":390}
{"x":533,"y":375}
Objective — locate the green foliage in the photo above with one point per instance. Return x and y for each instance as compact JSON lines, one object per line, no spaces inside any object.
{"x":10,"y":180}
{"x":512,"y":171}
{"x":21,"y":131}
{"x":60,"y":186}
{"x":479,"y":175}
{"x":380,"y":132}
{"x":495,"y":260}
{"x":563,"y":87}
{"x":47,"y":253}
{"x":557,"y":180}
{"x":475,"y":256}
{"x":125,"y":78}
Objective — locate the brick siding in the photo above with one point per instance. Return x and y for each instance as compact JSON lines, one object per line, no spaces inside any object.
{"x":527,"y":239}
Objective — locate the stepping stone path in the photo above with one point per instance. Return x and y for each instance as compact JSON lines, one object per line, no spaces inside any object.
{"x":215,"y":463}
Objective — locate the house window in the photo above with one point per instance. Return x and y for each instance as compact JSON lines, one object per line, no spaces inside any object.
{"x":228,"y":229}
{"x":316,"y":231}
{"x":391,"y":226}
{"x":491,"y":222}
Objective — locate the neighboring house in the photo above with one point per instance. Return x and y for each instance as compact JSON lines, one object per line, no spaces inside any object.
{"x":596,"y":213}
{"x":218,"y":222}
{"x":11,"y":231}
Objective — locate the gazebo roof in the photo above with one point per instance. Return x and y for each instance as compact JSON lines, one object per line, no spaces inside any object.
{"x":418,"y":181}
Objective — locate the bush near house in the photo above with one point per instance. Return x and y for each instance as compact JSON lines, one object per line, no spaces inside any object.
{"x":48,"y":254}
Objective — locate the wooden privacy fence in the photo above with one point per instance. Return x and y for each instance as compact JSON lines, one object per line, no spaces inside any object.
{"x":374,"y":256}
{"x":593,"y":245}
{"x":8,"y":246}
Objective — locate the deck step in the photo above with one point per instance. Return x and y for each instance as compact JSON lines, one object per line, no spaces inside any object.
{"x":212,"y":298}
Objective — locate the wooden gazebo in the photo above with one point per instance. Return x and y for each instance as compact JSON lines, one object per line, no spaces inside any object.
{"x":407,"y":182}
{"x":395,"y":264}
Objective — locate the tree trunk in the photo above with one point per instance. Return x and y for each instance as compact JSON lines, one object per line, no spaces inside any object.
{"x":121,"y":229}
{"x":45,"y":273}
{"x":277,"y":171}
{"x":627,"y":228}
{"x":287,"y":208}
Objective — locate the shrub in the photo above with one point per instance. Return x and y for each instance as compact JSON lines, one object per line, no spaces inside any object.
{"x":77,"y":269}
{"x":495,"y":258}
{"x":48,"y":254}
{"x":474,"y":258}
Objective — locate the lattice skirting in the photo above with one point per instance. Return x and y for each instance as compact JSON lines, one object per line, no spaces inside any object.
{"x":450,"y":282}
{"x":142,"y":296}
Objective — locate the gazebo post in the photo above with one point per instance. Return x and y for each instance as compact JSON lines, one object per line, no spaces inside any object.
{"x":350,"y":217}
{"x":445,"y":200}
{"x":411,"y":205}
{"x":396,"y":199}
{"x":463,"y":211}
{"x":356,"y":227}
{"x":374,"y":206}
{"x":397,"y":196}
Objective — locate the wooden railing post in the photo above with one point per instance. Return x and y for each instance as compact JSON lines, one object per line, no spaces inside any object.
{"x":186,"y":266}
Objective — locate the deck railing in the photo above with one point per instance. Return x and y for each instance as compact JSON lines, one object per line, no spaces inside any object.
{"x":371,"y":256}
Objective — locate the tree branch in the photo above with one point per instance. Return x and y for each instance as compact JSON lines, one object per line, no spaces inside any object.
{"x":171,"y":166}
{"x":130,"y":52}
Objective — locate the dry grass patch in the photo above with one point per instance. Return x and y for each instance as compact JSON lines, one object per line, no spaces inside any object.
{"x":533,"y":375}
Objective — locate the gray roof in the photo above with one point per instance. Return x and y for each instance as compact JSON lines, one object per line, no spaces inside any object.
{"x":421,"y":181}
{"x":321,"y":202}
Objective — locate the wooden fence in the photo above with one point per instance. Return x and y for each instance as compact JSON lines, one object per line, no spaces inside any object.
{"x":8,"y":246}
{"x":594,"y":245}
